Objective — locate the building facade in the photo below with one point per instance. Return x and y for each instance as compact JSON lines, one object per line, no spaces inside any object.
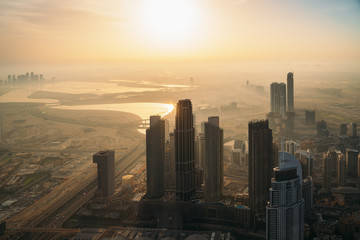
{"x":260,"y":167}
{"x":155,"y":158}
{"x":106,"y":172}
{"x":184,"y":132}
{"x":214,"y":160}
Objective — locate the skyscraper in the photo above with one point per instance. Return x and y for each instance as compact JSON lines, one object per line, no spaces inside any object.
{"x":341,"y":170}
{"x":290,"y":91}
{"x":285,"y":211}
{"x":282,"y":102}
{"x":274,"y":97}
{"x":184,"y":151}
{"x":155,"y":157}
{"x":260,"y":167}
{"x":352,"y":163}
{"x":214,"y":160}
{"x":106,"y":172}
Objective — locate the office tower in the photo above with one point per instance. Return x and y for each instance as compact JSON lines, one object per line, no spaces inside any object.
{"x":155,"y":158}
{"x":214,"y":160}
{"x":321,"y":129}
{"x":341,"y":170}
{"x":329,"y":167}
{"x":260,"y":167}
{"x":290,"y":146}
{"x":307,"y":193}
{"x":353,"y":130}
{"x":352,"y":163}
{"x":275,"y":97}
{"x":106,"y":172}
{"x":290,"y":91}
{"x":184,"y":151}
{"x":170,"y":163}
{"x":282,"y":107}
{"x":309,"y":117}
{"x":343,"y":129}
{"x":285,"y":211}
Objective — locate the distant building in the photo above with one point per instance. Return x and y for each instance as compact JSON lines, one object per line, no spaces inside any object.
{"x":170,"y":163}
{"x":309,"y":117}
{"x":352,"y":163}
{"x":274,"y":97}
{"x":155,"y":158}
{"x":341,"y":170}
{"x":307,"y":193}
{"x":329,"y":167}
{"x":278,"y":98}
{"x":290,"y":146}
{"x":353,"y":132}
{"x":214,"y":160}
{"x":285,"y":210}
{"x":106,"y":172}
{"x":282,"y":107}
{"x":343,"y":129}
{"x":260,"y":167}
{"x":290,"y":91}
{"x":184,"y":151}
{"x":321,"y":129}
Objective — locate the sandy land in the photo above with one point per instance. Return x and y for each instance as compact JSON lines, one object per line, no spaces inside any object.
{"x":36,"y":127}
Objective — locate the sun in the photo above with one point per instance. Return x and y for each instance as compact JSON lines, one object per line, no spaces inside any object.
{"x":169,"y":22}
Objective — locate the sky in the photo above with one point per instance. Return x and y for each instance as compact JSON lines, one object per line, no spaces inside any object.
{"x":67,"y":31}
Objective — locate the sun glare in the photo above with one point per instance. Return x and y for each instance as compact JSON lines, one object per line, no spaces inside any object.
{"x":169,"y":22}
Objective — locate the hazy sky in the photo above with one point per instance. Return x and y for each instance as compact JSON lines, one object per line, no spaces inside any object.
{"x":68,"y":31}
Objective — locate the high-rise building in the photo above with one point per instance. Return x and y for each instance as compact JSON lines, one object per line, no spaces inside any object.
{"x":170,"y":163}
{"x":285,"y":211}
{"x":106,"y":172}
{"x":341,"y":170}
{"x":290,"y":146}
{"x":184,"y":151}
{"x":343,"y":129}
{"x":275,"y":97}
{"x":155,"y":158}
{"x":329,"y":167}
{"x":358,"y":179}
{"x":282,"y":107}
{"x":260,"y":167}
{"x":214,"y":160}
{"x":353,"y":132}
{"x":307,"y":192}
{"x":290,"y":91}
{"x":352,"y":163}
{"x":309,"y":117}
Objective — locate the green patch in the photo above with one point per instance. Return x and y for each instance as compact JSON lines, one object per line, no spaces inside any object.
{"x":32,"y":177}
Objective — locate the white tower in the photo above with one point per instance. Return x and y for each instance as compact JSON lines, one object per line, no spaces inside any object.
{"x":285,"y":211}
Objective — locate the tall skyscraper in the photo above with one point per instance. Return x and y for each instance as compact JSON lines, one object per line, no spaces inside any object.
{"x":214,"y":160}
{"x":106,"y":172}
{"x":343,"y":129}
{"x":260,"y":167}
{"x":184,"y":151}
{"x":353,"y":132}
{"x":282,"y":106}
{"x":352,"y":163}
{"x":155,"y":158}
{"x":329,"y":168}
{"x":341,"y":170}
{"x":285,"y":211}
{"x":275,"y":97}
{"x":290,"y":91}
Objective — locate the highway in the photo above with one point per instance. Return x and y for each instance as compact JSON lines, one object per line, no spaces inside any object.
{"x":65,"y":209}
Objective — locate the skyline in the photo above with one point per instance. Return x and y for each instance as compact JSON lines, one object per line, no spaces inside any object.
{"x":143,"y":30}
